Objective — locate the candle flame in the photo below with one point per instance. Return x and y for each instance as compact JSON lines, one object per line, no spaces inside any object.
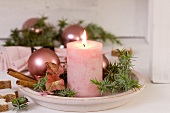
{"x":84,"y":38}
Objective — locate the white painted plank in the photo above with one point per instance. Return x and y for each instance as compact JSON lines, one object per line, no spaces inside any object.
{"x":160,"y":38}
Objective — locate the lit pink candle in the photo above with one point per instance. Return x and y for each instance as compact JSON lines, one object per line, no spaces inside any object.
{"x":84,"y":63}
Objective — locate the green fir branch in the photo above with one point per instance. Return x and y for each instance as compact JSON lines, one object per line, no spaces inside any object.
{"x":27,"y":37}
{"x":65,"y":93}
{"x":40,"y":86}
{"x":20,"y":104}
{"x":96,"y":32}
{"x":118,"y":76}
{"x":48,"y":34}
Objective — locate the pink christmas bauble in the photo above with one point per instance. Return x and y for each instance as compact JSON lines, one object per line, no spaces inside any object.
{"x":72,"y":33}
{"x":105,"y":64}
{"x":29,"y":23}
{"x":37,"y":60}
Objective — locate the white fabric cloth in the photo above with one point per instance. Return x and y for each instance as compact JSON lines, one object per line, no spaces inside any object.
{"x":16,"y":57}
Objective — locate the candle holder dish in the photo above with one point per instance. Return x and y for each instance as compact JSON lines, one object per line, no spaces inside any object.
{"x":85,"y":104}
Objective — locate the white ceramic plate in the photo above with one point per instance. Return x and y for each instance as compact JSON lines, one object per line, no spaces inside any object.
{"x":84,"y":104}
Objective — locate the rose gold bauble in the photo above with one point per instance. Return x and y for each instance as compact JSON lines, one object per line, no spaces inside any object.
{"x":37,"y":60}
{"x":72,"y":33}
{"x":29,"y":23}
{"x":105,"y":64}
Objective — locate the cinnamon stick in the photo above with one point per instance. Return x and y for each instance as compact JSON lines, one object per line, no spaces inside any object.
{"x":19,"y":75}
{"x":26,"y":83}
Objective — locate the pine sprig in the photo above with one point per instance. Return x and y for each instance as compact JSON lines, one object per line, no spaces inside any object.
{"x":47,"y":34}
{"x":40,"y":34}
{"x":96,"y":32}
{"x":20,"y":104}
{"x":65,"y":93}
{"x":61,"y":25}
{"x":118,"y":76}
{"x":40,"y":86}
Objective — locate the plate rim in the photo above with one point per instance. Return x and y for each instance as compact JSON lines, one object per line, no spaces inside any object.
{"x":33,"y":94}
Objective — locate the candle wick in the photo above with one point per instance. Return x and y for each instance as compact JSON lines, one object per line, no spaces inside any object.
{"x":84,"y":45}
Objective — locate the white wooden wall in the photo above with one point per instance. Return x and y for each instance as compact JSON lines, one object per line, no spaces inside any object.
{"x":121,"y":17}
{"x":159,"y":32}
